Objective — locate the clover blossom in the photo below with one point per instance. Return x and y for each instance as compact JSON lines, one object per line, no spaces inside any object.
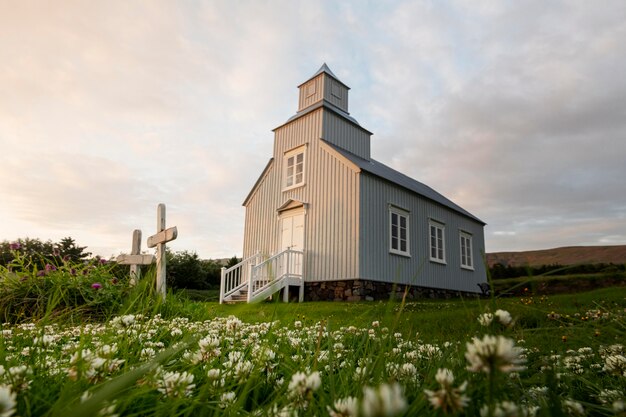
{"x":302,"y":384}
{"x":504,"y":317}
{"x":494,"y":353}
{"x":176,"y":384}
{"x":384,"y":401}
{"x":7,"y":401}
{"x":615,"y":364}
{"x":448,"y":398}
{"x":485,"y":319}
{"x":344,"y":407}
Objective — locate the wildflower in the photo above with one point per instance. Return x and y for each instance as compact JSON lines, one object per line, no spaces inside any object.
{"x":175,"y":384}
{"x":508,"y":409}
{"x":573,"y":408}
{"x":227,"y":398}
{"x":56,"y":252}
{"x":15,"y":246}
{"x":96,"y":285}
{"x":448,"y":398}
{"x":7,"y":401}
{"x":485,"y":319}
{"x":50,"y":268}
{"x":302,"y":384}
{"x":494,"y":352}
{"x":554,"y":316}
{"x":375,"y":324}
{"x":344,"y":407}
{"x":297,"y":324}
{"x":504,"y":317}
{"x":102,"y":261}
{"x":615,"y":364}
{"x":384,"y":401}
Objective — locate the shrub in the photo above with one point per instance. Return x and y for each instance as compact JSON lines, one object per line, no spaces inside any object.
{"x":78,"y":290}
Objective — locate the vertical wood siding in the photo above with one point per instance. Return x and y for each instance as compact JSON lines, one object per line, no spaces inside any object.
{"x":304,"y":99}
{"x":341,"y":133}
{"x":331,"y":192}
{"x":341,"y":100}
{"x":377,"y":263}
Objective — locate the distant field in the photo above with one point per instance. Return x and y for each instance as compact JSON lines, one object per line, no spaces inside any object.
{"x":571,"y":255}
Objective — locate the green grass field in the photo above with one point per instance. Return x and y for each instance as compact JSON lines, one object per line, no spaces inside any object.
{"x":122,"y":352}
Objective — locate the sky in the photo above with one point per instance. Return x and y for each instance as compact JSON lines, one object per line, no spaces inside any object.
{"x":516,"y":111}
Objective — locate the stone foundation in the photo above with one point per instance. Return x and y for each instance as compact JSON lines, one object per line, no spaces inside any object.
{"x":366,"y":290}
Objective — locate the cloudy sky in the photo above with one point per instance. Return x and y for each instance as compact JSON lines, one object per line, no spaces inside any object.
{"x":514,"y":110}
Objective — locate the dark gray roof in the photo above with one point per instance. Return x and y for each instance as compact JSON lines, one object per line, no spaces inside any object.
{"x":383,"y":171}
{"x":324,"y":68}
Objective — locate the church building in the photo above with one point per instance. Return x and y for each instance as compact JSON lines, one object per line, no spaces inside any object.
{"x":326,"y":221}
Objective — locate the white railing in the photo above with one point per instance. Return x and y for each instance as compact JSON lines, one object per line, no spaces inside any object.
{"x":236,"y":278}
{"x":275,"y":273}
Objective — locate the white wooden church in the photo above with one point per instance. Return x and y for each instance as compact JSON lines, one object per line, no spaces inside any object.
{"x":326,"y":221}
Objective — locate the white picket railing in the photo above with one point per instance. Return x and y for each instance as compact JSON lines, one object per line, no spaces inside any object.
{"x":236,"y":277}
{"x":279,"y":271}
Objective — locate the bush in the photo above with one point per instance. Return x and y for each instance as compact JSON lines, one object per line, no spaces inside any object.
{"x":75,"y":289}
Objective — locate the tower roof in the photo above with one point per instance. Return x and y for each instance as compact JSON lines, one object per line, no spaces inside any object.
{"x":324,"y":68}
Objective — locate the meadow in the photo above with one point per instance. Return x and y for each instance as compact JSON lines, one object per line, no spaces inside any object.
{"x":77,"y":340}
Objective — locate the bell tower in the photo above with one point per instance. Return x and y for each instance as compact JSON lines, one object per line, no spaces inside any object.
{"x":323,"y":86}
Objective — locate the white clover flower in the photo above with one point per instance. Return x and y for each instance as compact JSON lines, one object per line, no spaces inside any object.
{"x":7,"y":401}
{"x":176,"y":332}
{"x":344,"y":407}
{"x":375,"y":324}
{"x":302,"y":384}
{"x":227,"y":399}
{"x":297,"y":324}
{"x":615,"y":364}
{"x":176,"y":384}
{"x":485,"y":319}
{"x":494,"y":351}
{"x":504,"y":317}
{"x":503,"y":409}
{"x":573,"y":408}
{"x":384,"y":401}
{"x":448,"y":398}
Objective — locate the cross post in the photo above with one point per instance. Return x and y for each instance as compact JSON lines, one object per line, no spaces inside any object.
{"x":135,"y":259}
{"x":162,"y":236}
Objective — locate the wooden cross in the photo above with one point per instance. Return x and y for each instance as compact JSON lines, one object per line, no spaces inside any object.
{"x":135,"y":259}
{"x":162,"y":236}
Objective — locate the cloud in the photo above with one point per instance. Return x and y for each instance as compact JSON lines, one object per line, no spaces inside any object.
{"x":513,"y":110}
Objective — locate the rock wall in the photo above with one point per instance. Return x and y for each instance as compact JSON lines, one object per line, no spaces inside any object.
{"x":365,"y":290}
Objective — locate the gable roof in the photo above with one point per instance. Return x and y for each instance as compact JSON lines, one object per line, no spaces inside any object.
{"x":383,"y":171}
{"x":258,"y":181}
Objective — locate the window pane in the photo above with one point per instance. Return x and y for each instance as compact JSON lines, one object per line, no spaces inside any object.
{"x":403,"y":221}
{"x":394,"y":243}
{"x":440,"y":253}
{"x":289,"y":181}
{"x":290,"y":161}
{"x":300,"y":158}
{"x":299,"y":168}
{"x":289,"y":171}
{"x":403,"y":245}
{"x":433,"y":252}
{"x":394,"y":230}
{"x":394,"y":219}
{"x":402,"y":233}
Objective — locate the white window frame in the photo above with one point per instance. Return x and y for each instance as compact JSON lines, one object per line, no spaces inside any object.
{"x":466,"y":248}
{"x":287,"y":156}
{"x":439,"y":246}
{"x":399,"y":213}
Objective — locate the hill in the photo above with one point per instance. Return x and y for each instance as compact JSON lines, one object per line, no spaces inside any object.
{"x":569,"y":255}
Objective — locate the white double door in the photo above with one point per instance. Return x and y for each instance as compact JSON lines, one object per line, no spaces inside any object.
{"x":292,"y":237}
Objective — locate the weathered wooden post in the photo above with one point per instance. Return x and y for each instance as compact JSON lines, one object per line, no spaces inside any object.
{"x":135,"y":259}
{"x":162,"y":236}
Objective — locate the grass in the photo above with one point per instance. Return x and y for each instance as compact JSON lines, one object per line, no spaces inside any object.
{"x":139,"y":357}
